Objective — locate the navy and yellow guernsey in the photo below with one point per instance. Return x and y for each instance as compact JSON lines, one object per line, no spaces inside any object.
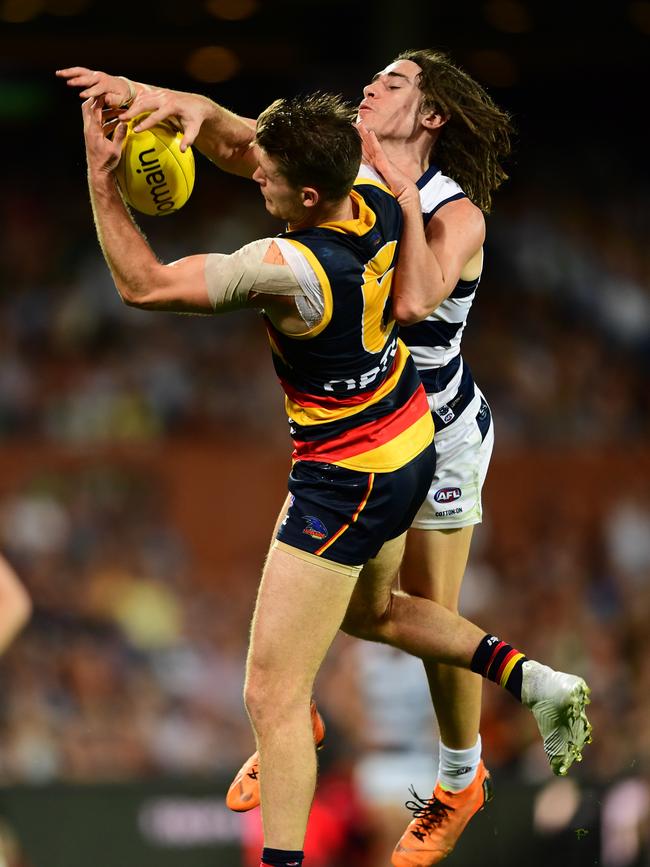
{"x":353,"y":395}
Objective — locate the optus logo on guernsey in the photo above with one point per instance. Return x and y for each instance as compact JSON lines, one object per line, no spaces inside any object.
{"x":446,"y":495}
{"x":155,"y":178}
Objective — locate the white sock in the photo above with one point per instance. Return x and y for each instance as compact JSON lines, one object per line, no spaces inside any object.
{"x":457,"y":768}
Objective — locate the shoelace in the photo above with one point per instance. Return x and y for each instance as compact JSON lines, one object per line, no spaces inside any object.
{"x":430,"y":813}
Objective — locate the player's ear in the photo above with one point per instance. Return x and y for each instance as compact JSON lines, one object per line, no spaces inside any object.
{"x":434,"y":119}
{"x":310,"y":197}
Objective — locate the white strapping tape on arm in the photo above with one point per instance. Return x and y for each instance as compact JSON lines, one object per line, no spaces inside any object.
{"x":231,"y":278}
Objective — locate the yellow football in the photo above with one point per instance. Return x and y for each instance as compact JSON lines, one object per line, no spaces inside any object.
{"x":155,"y":176}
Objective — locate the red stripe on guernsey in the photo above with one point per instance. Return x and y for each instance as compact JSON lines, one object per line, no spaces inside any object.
{"x":304,"y":399}
{"x":361,"y":506}
{"x":494,"y":653}
{"x":507,"y":659}
{"x":369,"y":436}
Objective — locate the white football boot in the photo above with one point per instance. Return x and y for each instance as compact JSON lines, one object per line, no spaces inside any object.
{"x":558,"y":702}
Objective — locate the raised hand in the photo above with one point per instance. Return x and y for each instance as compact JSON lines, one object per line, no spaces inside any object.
{"x":103,"y":153}
{"x":113,"y":89}
{"x":401,"y":186}
{"x":126,"y":100}
{"x":187,"y":111}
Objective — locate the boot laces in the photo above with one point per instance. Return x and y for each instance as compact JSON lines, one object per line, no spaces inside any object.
{"x":430,"y":813}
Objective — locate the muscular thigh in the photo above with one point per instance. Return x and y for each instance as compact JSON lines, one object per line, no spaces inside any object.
{"x":372,"y":593}
{"x":299,"y":609}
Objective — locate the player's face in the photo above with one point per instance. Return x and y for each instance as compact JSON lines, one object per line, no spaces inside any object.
{"x":391,"y":102}
{"x":282,"y":200}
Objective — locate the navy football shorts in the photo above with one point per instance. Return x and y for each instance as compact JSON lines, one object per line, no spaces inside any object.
{"x":346,"y":516}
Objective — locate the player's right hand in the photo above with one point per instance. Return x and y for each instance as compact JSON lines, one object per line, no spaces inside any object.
{"x":103,"y":153}
{"x":400,"y":185}
{"x":185,"y":110}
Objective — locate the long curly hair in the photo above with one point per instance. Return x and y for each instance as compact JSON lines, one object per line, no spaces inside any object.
{"x":475,"y":140}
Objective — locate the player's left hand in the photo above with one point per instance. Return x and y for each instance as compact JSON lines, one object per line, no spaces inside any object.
{"x":103,"y":153}
{"x":114,"y":90}
{"x":401,"y":186}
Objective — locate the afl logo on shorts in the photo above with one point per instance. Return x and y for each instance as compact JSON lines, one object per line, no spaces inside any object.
{"x":446,"y":495}
{"x":315,"y":527}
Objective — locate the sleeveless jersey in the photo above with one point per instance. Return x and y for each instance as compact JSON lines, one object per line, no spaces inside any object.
{"x":435,"y":342}
{"x":353,"y":394}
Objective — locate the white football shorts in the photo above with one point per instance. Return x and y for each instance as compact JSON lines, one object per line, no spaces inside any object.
{"x":463,"y":451}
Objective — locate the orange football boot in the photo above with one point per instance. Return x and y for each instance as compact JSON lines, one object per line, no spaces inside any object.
{"x":438,"y":822}
{"x":244,"y":791}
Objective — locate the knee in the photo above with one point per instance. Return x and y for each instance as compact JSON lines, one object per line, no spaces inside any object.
{"x":262,"y":692}
{"x":368,"y":623}
{"x":256,"y":698}
{"x":270,"y":699}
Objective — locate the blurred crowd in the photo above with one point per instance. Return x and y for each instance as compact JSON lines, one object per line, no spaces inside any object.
{"x":130,"y":668}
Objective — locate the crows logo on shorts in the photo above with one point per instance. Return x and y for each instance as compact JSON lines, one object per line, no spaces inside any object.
{"x":315,"y":527}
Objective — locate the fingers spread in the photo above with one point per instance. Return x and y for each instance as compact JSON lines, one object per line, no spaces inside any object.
{"x":109,"y":127}
{"x":95,"y":90}
{"x":73,"y":70}
{"x":82,"y":80}
{"x":146,"y":104}
{"x":120,"y":133}
{"x":151,"y":119}
{"x":191,"y":132}
{"x":86,"y":111}
{"x":112,"y":112}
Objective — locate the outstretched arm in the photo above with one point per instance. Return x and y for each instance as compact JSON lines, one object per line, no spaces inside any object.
{"x":430,"y":261}
{"x":255,"y":276}
{"x":222,"y":136}
{"x":140,"y":278}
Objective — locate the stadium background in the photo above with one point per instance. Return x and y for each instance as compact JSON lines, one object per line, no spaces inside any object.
{"x":143,"y":457}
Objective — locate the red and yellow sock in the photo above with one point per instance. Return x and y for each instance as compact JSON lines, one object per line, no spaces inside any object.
{"x":499,"y":662}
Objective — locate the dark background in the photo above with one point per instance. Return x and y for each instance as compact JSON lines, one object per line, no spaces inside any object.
{"x":573,"y":74}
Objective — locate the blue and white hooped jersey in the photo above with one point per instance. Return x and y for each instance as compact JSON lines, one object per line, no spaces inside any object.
{"x":435,"y":342}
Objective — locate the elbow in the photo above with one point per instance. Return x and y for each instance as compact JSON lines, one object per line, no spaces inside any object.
{"x":127,"y":295}
{"x":130,"y":301}
{"x":138,"y":294}
{"x":407,"y":313}
{"x":404,"y":320}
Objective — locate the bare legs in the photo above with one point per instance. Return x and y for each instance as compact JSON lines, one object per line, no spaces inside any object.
{"x":433,"y":567}
{"x":299,"y":609}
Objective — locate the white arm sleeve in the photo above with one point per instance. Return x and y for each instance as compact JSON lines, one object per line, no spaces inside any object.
{"x":311,"y":305}
{"x":231,"y":278}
